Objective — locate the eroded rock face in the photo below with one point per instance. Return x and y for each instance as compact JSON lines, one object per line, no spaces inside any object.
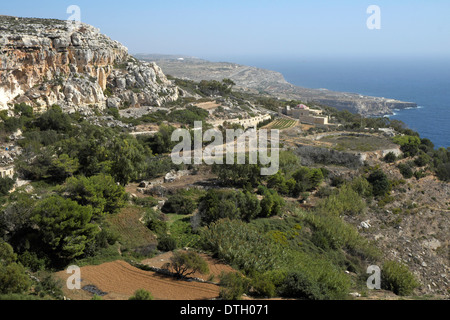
{"x":45,"y":62}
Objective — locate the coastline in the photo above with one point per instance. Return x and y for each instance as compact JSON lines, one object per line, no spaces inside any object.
{"x":272,"y":83}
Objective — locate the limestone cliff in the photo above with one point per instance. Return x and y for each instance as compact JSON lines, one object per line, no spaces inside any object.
{"x":45,"y":62}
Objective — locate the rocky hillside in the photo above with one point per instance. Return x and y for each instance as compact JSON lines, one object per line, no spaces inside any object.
{"x":45,"y":62}
{"x":258,"y":80}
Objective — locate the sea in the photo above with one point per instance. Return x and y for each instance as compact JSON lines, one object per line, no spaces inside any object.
{"x":425,"y":81}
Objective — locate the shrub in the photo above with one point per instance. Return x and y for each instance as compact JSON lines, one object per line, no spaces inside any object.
{"x":300,"y":286}
{"x":32,"y":261}
{"x":443,"y":172}
{"x":263,"y":286}
{"x":147,"y":202}
{"x":380,"y":183}
{"x":141,"y":294}
{"x":405,"y":170}
{"x":337,"y":181}
{"x":157,"y":226}
{"x":234,"y":286}
{"x":179,"y":204}
{"x":345,"y":201}
{"x":409,"y":144}
{"x":6,"y":184}
{"x":51,"y":286}
{"x":13,"y":278}
{"x":362,"y":186}
{"x":397,"y":278}
{"x":422,"y":160}
{"x":167,"y":243}
{"x":390,"y":157}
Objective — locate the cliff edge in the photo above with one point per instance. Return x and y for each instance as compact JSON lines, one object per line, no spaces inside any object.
{"x":46,"y":61}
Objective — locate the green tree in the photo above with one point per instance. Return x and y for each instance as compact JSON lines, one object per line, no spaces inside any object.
{"x":218,"y":204}
{"x":186,"y":263}
{"x":54,"y":119}
{"x":100,"y":191}
{"x":127,"y":157}
{"x":63,"y":167}
{"x":380,"y":183}
{"x":408,"y":144}
{"x":65,"y":226}
{"x":13,"y":278}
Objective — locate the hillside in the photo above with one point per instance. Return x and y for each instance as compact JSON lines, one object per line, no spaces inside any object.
{"x":261,"y":81}
{"x":87,"y":179}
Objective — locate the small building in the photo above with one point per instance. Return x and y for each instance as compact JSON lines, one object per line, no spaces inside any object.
{"x":7,"y":172}
{"x":304,"y":114}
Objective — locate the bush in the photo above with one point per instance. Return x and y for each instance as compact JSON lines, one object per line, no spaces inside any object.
{"x":234,"y":286}
{"x":147,"y":202}
{"x":263,"y":286}
{"x":405,"y":170}
{"x":397,"y":278}
{"x":298,"y":285}
{"x":13,"y":278}
{"x":345,"y":201}
{"x":32,"y":261}
{"x":157,"y":226}
{"x":51,"y":286}
{"x":167,"y":243}
{"x":409,"y":144}
{"x":142,"y":294}
{"x":6,"y":184}
{"x":180,"y":205}
{"x":390,"y":157}
{"x":443,"y":172}
{"x":380,"y":183}
{"x":422,"y":160}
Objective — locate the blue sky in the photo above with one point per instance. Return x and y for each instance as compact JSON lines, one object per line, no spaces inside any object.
{"x":282,"y":28}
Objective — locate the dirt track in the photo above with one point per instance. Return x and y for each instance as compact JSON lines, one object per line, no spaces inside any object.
{"x":120,"y":280}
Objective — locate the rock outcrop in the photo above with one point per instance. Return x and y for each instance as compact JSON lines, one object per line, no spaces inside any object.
{"x":45,"y":62}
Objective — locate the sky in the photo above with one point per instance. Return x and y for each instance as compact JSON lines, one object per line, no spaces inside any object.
{"x":216,"y":29}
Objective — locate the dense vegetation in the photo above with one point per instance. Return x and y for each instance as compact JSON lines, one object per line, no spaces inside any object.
{"x":79,"y":171}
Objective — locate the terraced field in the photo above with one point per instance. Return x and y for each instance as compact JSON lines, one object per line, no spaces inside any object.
{"x":281,"y":124}
{"x":119,"y":280}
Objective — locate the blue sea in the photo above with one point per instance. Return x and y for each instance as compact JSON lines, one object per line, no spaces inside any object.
{"x":423,"y":81}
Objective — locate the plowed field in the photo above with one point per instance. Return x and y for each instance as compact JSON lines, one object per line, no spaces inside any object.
{"x":119,"y":280}
{"x":215,"y":266}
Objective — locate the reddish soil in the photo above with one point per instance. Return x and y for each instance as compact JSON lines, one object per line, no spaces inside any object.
{"x":120,"y":280}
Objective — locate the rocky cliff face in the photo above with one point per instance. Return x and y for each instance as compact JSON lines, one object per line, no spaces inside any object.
{"x":45,"y":62}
